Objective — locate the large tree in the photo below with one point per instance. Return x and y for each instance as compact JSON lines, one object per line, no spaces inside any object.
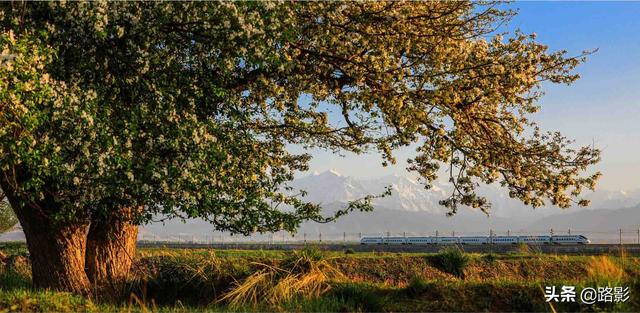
{"x":113,"y":113}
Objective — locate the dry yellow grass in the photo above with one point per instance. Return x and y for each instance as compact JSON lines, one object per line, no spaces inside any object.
{"x":301,"y":276}
{"x":602,"y":268}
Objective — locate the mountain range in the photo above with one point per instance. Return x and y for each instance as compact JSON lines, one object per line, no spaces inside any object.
{"x":412,"y":208}
{"x":331,"y":187}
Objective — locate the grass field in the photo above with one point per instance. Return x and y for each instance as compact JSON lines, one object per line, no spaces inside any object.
{"x":183,"y":280}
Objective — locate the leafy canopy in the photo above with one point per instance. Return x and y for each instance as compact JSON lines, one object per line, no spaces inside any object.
{"x":187,"y":109}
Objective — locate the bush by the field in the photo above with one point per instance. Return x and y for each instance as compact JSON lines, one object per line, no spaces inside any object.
{"x":452,"y":260}
{"x":416,"y":287}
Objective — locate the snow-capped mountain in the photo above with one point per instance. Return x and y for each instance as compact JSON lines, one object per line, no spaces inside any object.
{"x":331,"y":187}
{"x":407,"y":194}
{"x":411,"y":207}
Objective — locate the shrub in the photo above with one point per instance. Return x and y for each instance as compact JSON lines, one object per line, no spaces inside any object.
{"x":452,"y":260}
{"x":349,"y":251}
{"x":489,"y":257}
{"x":416,"y":286}
{"x":193,"y":280}
{"x":308,"y":254}
{"x":361,"y":296}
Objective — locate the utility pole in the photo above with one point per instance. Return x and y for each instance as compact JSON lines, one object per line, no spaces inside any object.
{"x":620,"y":236}
{"x":344,"y":236}
{"x":320,"y":236}
{"x":304,"y":236}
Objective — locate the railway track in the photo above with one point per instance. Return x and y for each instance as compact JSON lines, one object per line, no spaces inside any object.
{"x":590,"y":249}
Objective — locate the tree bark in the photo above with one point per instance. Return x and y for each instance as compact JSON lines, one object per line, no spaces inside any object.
{"x":56,"y":252}
{"x":56,"y":249}
{"x":57,"y":256}
{"x":111,"y":249}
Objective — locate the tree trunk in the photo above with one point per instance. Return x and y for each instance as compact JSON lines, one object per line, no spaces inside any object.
{"x":56,"y":249}
{"x":56,"y":252}
{"x":57,"y":257}
{"x":111,"y":249}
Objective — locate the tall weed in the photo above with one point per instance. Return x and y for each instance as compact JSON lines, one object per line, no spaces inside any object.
{"x":604,"y":269}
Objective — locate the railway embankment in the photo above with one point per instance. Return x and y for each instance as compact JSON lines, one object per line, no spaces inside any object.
{"x":588,"y":249}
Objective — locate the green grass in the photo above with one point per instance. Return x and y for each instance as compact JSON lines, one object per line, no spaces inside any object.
{"x":274,"y":254}
{"x":11,"y":279}
{"x":188,"y":280}
{"x":416,"y":287}
{"x":25,"y":300}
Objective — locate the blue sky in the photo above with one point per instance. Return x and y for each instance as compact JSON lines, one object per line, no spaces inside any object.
{"x":602,"y":107}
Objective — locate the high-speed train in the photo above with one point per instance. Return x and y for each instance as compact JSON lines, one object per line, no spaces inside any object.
{"x":478,"y":240}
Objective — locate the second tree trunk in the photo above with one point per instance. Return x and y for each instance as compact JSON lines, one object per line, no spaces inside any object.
{"x":111,"y":249}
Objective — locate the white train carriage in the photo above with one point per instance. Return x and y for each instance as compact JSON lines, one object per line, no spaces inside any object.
{"x":474,"y":240}
{"x":394,"y":240}
{"x":421,"y":240}
{"x":371,"y":240}
{"x":504,"y":240}
{"x":569,"y":240}
{"x":535,"y":240}
{"x":447,"y":240}
{"x":478,"y":240}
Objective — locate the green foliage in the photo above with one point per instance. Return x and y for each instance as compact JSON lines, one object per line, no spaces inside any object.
{"x":452,"y":260}
{"x":16,"y":248}
{"x":186,"y":109}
